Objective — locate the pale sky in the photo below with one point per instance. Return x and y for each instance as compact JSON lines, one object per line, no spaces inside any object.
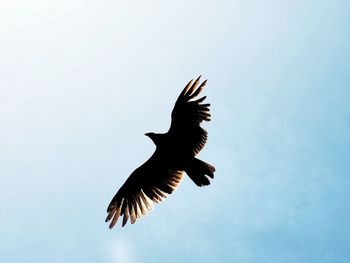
{"x":82,"y":81}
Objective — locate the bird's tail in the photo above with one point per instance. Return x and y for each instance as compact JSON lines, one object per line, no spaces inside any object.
{"x":199,"y":171}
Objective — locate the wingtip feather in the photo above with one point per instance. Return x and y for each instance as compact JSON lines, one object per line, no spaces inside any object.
{"x":187,"y":87}
{"x":191,"y":90}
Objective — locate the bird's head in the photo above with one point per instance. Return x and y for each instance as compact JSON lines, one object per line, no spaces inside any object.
{"x":153,"y":136}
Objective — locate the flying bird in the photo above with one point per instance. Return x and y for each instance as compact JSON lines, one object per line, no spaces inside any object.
{"x":175,"y":155}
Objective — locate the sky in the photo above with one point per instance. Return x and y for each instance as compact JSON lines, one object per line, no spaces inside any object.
{"x":82,"y":81}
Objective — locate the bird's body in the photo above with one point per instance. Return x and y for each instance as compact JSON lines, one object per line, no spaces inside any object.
{"x":175,"y":154}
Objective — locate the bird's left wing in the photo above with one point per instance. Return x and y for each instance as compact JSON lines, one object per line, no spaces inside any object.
{"x":149,"y":183}
{"x":186,"y":117}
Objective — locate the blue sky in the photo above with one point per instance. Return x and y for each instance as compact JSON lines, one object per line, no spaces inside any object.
{"x":82,"y":81}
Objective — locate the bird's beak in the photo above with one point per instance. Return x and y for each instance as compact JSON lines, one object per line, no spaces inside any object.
{"x":147,"y":134}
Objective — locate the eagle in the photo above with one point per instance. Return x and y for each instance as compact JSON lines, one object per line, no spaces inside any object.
{"x":174,"y":156}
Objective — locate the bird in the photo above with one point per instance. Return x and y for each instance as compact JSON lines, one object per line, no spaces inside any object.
{"x":174,"y":156}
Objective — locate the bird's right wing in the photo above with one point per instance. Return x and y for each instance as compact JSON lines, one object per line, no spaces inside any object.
{"x":149,"y":183}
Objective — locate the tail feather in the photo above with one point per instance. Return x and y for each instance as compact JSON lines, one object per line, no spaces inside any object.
{"x":199,"y":172}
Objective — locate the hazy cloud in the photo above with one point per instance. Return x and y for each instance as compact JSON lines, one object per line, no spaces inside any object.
{"x":121,"y":251}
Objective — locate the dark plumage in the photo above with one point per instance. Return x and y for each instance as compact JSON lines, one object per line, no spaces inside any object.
{"x":175,"y":154}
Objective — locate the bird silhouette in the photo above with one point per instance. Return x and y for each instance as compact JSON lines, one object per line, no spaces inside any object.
{"x":175,"y":155}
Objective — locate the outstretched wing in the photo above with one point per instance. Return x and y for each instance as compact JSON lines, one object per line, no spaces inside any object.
{"x":149,"y":183}
{"x":187,"y":116}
